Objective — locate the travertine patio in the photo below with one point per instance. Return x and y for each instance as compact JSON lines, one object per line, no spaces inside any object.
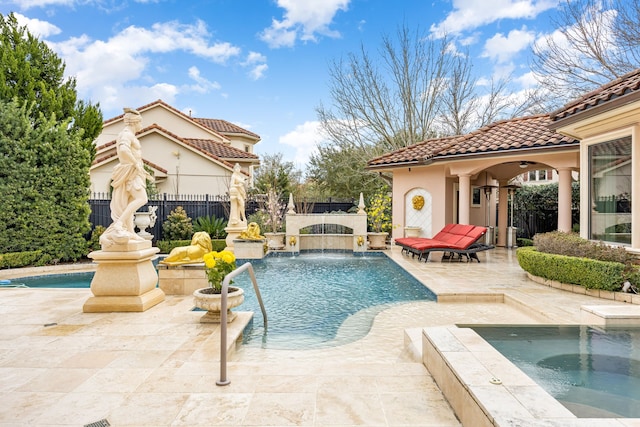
{"x":62,"y":367}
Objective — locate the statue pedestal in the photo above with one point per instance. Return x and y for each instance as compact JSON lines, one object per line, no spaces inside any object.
{"x":182,"y":279}
{"x":249,"y":249}
{"x":233,"y":233}
{"x":125,"y":279}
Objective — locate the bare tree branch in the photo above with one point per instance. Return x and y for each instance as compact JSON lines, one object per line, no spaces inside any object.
{"x":595,"y":41}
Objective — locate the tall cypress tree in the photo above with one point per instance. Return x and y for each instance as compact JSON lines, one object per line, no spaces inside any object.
{"x":46,"y":149}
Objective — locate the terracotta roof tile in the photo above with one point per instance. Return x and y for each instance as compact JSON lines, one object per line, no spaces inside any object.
{"x":210,"y":148}
{"x":114,"y":154}
{"x":618,"y":88}
{"x":218,"y":126}
{"x":219,"y":150}
{"x":223,"y":126}
{"x":506,"y":135}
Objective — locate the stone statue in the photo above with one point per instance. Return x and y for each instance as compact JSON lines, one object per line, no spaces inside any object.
{"x":200,"y":245}
{"x":237,"y":196}
{"x":129,"y":183}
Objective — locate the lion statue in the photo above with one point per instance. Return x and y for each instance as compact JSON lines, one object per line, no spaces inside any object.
{"x":252,"y":232}
{"x":200,"y":245}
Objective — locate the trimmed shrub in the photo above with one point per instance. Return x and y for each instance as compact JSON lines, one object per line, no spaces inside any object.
{"x":93,"y":244}
{"x":590,"y":273}
{"x":166,"y":246}
{"x":178,"y":225}
{"x":23,"y":259}
{"x":521,"y":241}
{"x":571,"y":244}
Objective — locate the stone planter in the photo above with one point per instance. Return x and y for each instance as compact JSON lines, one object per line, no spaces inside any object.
{"x":412,"y":231}
{"x":205,"y":299}
{"x":275,"y":240}
{"x":377,"y":240}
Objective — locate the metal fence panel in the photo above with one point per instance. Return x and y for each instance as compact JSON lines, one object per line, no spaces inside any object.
{"x":202,"y":205}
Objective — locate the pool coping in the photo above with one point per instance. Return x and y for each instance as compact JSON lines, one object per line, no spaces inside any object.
{"x":485,"y":389}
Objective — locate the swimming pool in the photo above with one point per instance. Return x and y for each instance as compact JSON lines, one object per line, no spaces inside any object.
{"x":70,"y":280}
{"x":318,"y":300}
{"x":583,"y":367}
{"x":312,"y":300}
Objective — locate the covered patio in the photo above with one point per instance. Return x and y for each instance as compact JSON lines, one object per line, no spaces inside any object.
{"x":462,"y":178}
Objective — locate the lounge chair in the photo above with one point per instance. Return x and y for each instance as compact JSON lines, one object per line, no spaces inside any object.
{"x":453,"y":239}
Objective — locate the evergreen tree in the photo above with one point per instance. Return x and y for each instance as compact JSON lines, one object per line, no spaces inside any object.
{"x":33,"y":73}
{"x":44,"y":177}
{"x":46,"y":149}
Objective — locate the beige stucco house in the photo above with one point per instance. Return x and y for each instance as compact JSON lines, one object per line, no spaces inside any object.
{"x":187,"y":155}
{"x":597,"y":135}
{"x":461,"y":177}
{"x":607,"y":123}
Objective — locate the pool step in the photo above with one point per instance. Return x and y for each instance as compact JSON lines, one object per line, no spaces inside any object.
{"x":413,"y":343}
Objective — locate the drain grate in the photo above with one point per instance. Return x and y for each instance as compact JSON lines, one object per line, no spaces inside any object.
{"x":101,"y":423}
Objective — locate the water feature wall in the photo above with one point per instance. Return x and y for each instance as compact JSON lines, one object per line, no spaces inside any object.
{"x":356,"y":241}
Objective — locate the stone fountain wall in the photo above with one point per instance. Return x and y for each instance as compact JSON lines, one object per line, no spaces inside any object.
{"x":357,"y":241}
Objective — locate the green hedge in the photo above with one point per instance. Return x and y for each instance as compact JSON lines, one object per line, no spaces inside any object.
{"x":590,"y":273}
{"x":167,"y":245}
{"x":22,"y":259}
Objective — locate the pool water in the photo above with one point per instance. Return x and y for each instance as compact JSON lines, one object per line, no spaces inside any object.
{"x":312,"y":300}
{"x":319,"y":300}
{"x":593,"y":372}
{"x":71,"y":280}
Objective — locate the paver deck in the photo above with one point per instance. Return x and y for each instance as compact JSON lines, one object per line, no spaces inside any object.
{"x":159,"y":367}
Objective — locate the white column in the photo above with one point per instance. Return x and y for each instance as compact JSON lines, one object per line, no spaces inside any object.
{"x":503,"y":212}
{"x":464,"y":197}
{"x":564,"y":200}
{"x":635,"y":190}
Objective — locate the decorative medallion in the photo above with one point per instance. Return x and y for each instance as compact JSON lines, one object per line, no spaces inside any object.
{"x":418,"y":202}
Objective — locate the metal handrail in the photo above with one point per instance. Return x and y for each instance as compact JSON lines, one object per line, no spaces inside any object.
{"x":223,"y":316}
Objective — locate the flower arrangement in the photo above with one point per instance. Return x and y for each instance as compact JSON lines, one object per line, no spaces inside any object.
{"x":275,"y":211}
{"x":379,"y":213}
{"x":217,"y":266}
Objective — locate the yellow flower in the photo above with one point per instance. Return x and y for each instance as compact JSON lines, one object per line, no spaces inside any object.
{"x":217,"y":266}
{"x":227,"y":256}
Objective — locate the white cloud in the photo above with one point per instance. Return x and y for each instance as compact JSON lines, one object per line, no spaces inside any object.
{"x":202,"y":85}
{"x":303,"y":20}
{"x":527,"y":80}
{"x":471,"y":14}
{"x":27,"y":4}
{"x":37,"y":27}
{"x":257,"y":62}
{"x":258,"y":71}
{"x":501,"y":49}
{"x":303,"y":139}
{"x":113,"y":70}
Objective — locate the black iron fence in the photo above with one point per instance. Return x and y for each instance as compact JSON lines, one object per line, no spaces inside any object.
{"x":206,"y":205}
{"x":541,"y":221}
{"x":527,"y":223}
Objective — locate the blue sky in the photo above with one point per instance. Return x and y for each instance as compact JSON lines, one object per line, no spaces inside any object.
{"x":262,"y":64}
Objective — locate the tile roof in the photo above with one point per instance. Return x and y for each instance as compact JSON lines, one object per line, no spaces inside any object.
{"x":502,"y":136}
{"x":624,"y":86}
{"x":210,"y":148}
{"x":146,"y":162}
{"x":216,"y":125}
{"x":223,"y":126}
{"x":219,"y":150}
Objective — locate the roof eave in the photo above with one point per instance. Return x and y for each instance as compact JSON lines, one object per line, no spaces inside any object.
{"x":422,"y":162}
{"x":594,"y":111}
